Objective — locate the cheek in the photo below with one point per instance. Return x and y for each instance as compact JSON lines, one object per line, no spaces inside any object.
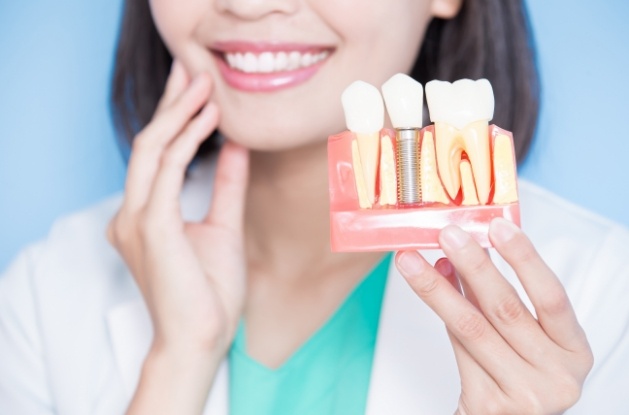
{"x":176,"y":21}
{"x":379,"y":37}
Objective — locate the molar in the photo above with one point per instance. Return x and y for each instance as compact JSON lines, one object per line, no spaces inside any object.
{"x":461,"y":112}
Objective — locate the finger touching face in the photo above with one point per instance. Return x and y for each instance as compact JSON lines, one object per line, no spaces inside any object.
{"x":280,"y":66}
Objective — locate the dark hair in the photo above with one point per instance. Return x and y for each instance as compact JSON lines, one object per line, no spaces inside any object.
{"x":487,"y":39}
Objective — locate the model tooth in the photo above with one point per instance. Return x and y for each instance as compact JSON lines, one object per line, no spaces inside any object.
{"x":388,"y":182}
{"x":467,"y":185}
{"x":461,"y":112}
{"x":361,"y":189}
{"x":505,"y":187}
{"x":404,"y":99}
{"x":364,"y":109}
{"x":432,"y":190}
{"x":460,"y":103}
{"x":364,"y":116}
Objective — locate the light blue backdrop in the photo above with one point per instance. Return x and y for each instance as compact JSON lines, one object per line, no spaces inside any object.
{"x":58,"y":152}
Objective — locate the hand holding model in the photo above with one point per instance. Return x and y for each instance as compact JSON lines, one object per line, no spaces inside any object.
{"x":192,"y":275}
{"x":510,"y":362}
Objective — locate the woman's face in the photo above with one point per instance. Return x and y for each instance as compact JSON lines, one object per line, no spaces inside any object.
{"x":280,"y":66}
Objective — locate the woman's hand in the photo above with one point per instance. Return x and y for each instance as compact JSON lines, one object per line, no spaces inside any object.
{"x":509,"y":361}
{"x":192,"y":275}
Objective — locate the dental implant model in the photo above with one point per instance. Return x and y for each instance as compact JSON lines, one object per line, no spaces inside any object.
{"x":404,"y":98}
{"x":398,"y":193}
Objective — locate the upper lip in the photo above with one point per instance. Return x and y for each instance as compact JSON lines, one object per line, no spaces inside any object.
{"x":243,"y":46}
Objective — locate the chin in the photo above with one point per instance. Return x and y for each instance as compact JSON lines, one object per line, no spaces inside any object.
{"x":258,"y":134}
{"x":268,"y":139}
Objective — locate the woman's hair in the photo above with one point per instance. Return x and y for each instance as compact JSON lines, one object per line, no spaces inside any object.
{"x":487,"y":39}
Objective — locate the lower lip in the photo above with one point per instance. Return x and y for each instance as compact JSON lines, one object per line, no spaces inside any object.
{"x":266,"y":82}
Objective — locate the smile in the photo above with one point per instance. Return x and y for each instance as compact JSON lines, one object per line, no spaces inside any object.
{"x":269,"y":62}
{"x":258,"y":67}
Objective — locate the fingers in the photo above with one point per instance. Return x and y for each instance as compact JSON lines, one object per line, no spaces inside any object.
{"x":554,"y":311}
{"x":496,"y":298}
{"x":177,"y":82}
{"x":464,"y":320}
{"x":230,"y":184}
{"x":149,"y":145}
{"x":474,"y":379}
{"x":164,"y":198}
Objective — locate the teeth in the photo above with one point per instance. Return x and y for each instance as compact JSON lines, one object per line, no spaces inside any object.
{"x":404,"y":97}
{"x":364,"y":116}
{"x":268,"y":62}
{"x":461,"y":112}
{"x":505,"y":188}
{"x":281,"y":61}
{"x":250,"y":63}
{"x":294,"y":59}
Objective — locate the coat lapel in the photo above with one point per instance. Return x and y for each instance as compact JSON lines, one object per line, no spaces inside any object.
{"x":414,"y":370}
{"x":131,"y":334}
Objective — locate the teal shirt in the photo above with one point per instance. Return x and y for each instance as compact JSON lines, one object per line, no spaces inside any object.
{"x":329,"y":374}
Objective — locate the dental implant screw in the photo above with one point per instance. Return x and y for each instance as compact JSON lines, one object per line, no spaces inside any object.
{"x":408,"y":173}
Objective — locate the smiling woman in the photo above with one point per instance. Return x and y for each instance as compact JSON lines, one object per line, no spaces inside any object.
{"x":215,"y":289}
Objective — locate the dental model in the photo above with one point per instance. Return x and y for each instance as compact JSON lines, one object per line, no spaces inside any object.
{"x":398,"y":193}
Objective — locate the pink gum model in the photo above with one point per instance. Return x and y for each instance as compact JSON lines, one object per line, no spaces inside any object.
{"x":392,"y":228}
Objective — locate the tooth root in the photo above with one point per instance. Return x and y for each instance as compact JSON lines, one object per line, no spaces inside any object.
{"x":359,"y":177}
{"x":476,"y":139}
{"x":505,"y":186}
{"x":431,"y":187}
{"x":449,"y":148}
{"x":368,"y":147}
{"x":388,"y":182}
{"x":467,"y":185}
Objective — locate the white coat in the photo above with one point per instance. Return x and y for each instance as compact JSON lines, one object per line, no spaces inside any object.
{"x":74,"y":329}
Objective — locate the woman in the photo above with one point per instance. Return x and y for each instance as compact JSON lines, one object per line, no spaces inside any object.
{"x":249,"y":274}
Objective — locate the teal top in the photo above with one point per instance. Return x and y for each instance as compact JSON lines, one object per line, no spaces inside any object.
{"x":329,"y":374}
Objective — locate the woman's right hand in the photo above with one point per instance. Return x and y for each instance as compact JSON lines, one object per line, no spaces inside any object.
{"x":192,"y":275}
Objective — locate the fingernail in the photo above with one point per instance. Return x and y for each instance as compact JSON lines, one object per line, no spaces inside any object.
{"x":444,"y":267}
{"x":455,"y":237}
{"x":502,"y":230}
{"x":410,"y":263}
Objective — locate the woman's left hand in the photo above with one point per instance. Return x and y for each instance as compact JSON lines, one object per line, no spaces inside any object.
{"x":509,"y":361}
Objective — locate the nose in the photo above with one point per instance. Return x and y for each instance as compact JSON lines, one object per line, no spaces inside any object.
{"x":256,"y":9}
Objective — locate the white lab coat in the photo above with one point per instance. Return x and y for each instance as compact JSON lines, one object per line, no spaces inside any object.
{"x":74,"y":329}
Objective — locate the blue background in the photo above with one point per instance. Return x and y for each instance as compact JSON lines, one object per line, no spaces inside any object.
{"x":58,"y":152}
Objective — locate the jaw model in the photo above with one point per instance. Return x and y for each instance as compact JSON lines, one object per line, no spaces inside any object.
{"x":465,"y":168}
